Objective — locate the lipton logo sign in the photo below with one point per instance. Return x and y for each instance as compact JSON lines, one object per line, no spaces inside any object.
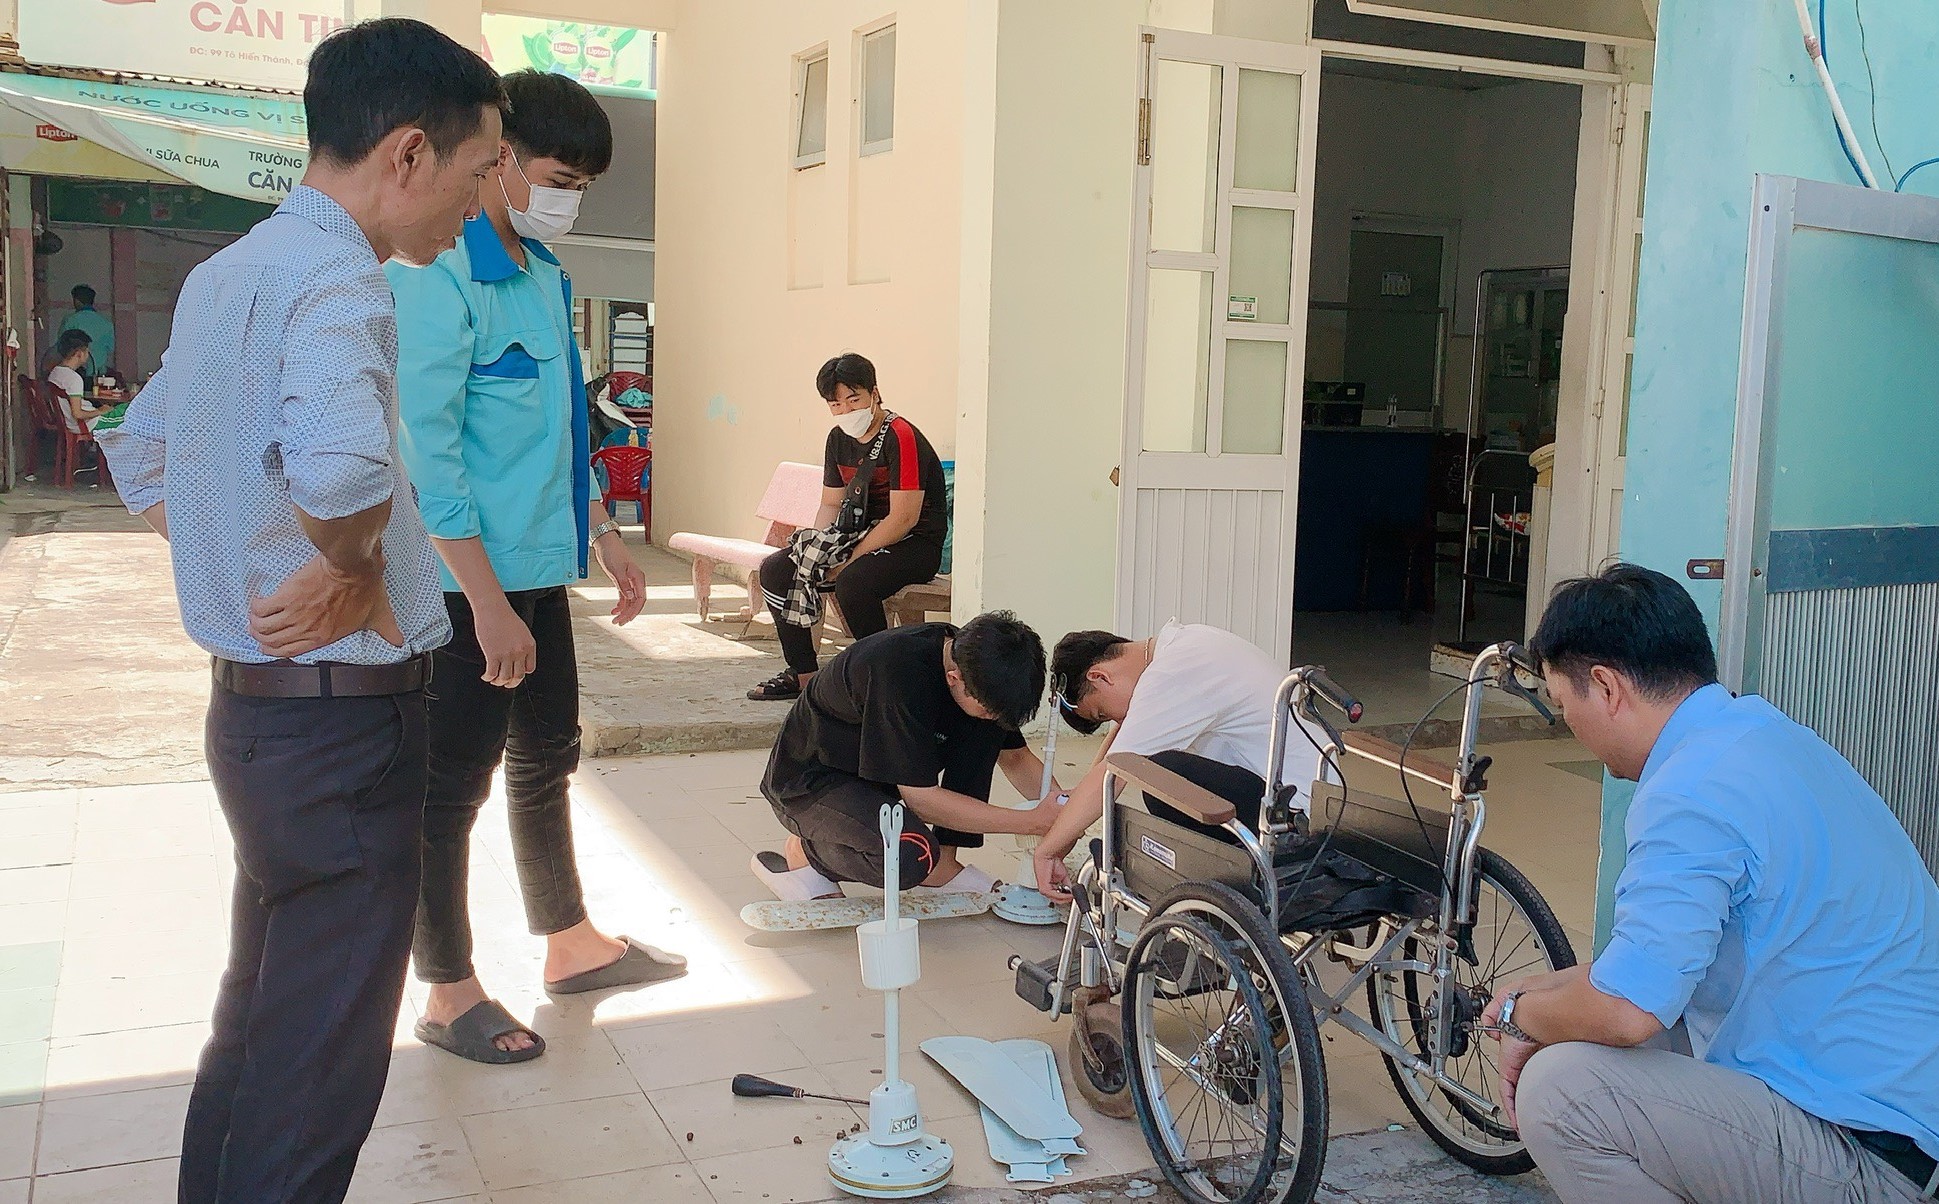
{"x":54,"y":133}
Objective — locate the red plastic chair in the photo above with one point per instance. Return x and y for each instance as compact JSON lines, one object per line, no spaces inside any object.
{"x":48,"y":404}
{"x":625,"y":467}
{"x":46,"y":422}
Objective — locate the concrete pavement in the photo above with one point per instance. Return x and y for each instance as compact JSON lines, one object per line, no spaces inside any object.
{"x":100,"y":687}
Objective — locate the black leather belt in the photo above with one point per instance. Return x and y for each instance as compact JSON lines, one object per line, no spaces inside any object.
{"x":286,"y":679}
{"x":1902,"y":1154}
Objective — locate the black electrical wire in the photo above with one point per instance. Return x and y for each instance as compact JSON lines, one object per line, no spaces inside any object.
{"x":1407,"y":746}
{"x":1871,"y":79}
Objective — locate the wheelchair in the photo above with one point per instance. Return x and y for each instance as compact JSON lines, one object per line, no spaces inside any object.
{"x":1226,"y":956}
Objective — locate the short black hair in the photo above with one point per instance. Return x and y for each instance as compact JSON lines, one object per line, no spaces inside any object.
{"x":1631,"y":619}
{"x":845,"y":369}
{"x":554,"y":117}
{"x":83,"y":294}
{"x":1075,"y":655}
{"x":1002,"y":663}
{"x":371,"y":78}
{"x":70,"y":342}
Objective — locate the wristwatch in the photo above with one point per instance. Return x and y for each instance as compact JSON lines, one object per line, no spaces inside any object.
{"x":602,"y":529}
{"x":1506,"y":1021}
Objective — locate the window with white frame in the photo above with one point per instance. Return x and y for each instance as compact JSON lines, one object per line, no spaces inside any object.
{"x":878,"y":90}
{"x":811,"y":108}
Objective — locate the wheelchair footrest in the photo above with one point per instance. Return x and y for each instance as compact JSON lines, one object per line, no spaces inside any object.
{"x":1036,"y":983}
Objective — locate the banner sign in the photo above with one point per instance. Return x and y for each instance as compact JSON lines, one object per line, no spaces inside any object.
{"x":236,"y":143}
{"x":611,"y":58}
{"x":28,"y":144}
{"x":259,"y":43}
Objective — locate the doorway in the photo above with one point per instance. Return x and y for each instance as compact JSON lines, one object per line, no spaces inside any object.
{"x":1510,"y":155}
{"x":1433,"y":367}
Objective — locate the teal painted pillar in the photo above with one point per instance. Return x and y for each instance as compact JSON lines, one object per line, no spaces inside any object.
{"x":1735,"y":96}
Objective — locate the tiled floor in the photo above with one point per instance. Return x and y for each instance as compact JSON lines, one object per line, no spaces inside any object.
{"x":1386,"y":663}
{"x":111,"y":910}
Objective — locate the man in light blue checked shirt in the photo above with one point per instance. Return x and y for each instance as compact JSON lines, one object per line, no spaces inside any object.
{"x":265,"y":451}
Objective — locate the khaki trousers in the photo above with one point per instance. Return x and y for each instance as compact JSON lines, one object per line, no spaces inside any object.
{"x":1647,"y":1126}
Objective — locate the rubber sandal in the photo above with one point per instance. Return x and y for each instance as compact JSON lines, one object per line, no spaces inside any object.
{"x":782,"y":687}
{"x":639,"y":965}
{"x":473,"y":1036}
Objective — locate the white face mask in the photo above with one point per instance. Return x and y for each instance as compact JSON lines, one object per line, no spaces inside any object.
{"x":549,"y":214}
{"x":856,"y":423}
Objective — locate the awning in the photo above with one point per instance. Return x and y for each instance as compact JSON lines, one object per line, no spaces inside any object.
{"x":1621,"y":22}
{"x":243,"y":144}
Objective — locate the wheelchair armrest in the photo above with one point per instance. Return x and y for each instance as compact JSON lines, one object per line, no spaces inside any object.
{"x":1386,"y":752}
{"x":1161,"y":783}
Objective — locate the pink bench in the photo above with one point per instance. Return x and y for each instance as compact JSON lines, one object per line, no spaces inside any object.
{"x":792,"y":501}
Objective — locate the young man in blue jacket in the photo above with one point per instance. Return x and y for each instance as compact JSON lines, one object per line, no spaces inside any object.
{"x":493,"y":403}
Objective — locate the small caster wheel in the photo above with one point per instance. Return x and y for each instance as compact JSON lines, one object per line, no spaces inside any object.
{"x":1097,"y":1053}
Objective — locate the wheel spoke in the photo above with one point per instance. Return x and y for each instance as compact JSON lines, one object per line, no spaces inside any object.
{"x":1508,"y":941}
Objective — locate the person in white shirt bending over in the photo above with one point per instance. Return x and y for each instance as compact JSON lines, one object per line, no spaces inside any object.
{"x":70,"y":353}
{"x":1197,"y":700}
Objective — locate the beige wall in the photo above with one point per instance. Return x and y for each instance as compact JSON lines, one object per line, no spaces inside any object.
{"x":1002,"y":222}
{"x":1037,"y":518}
{"x":757,"y":263}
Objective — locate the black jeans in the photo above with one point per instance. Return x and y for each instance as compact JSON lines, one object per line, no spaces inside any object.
{"x":325,"y":798}
{"x":866,"y":583}
{"x":534,"y":729}
{"x":1244,"y":789}
{"x":838,"y":817}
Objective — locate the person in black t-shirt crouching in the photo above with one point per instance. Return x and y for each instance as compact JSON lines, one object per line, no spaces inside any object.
{"x":908,"y":516}
{"x":923,"y":714}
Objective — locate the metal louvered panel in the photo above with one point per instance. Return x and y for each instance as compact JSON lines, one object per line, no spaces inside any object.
{"x":1861,"y":668}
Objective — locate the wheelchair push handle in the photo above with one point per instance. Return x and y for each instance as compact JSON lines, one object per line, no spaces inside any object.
{"x":1335,"y":695}
{"x":1515,"y":660}
{"x":1519,"y":657}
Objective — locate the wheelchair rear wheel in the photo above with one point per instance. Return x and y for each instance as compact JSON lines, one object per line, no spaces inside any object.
{"x":1515,"y":935}
{"x":1225,"y":1064}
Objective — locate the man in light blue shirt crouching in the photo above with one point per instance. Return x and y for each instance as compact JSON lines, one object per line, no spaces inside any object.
{"x":1769,"y":901}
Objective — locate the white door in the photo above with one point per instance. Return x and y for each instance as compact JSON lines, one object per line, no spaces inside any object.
{"x":1221,"y":244}
{"x":1619,"y":345}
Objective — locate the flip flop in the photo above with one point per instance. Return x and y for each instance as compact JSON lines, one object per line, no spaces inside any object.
{"x":474,"y":1035}
{"x":639,"y":965}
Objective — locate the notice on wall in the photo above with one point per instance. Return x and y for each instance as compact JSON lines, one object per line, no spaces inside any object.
{"x":261,"y":43}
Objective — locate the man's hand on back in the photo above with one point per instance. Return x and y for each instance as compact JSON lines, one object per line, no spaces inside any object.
{"x":321,"y":604}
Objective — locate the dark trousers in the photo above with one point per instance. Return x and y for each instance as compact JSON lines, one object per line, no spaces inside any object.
{"x":534,"y":729}
{"x":325,"y":800}
{"x":1244,"y":789}
{"x":838,"y":817}
{"x":866,"y":583}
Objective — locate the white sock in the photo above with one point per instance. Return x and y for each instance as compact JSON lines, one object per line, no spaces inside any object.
{"x":792,"y":885}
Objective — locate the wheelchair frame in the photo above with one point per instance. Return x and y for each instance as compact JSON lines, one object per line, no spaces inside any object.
{"x":1090,"y":935}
